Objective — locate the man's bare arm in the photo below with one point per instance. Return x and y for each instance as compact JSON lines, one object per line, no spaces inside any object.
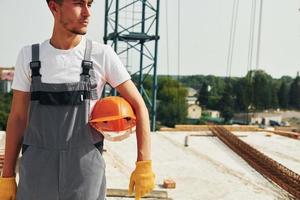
{"x":132,"y":95}
{"x":16,"y":125}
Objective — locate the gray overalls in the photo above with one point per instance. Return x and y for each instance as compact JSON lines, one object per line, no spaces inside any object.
{"x":62,"y":157}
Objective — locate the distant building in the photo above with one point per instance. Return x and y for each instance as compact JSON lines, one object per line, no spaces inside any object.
{"x":191,"y":98}
{"x":7,"y":74}
{"x":192,"y":92}
{"x":258,"y":118}
{"x":6,"y":78}
{"x":194,"y":110}
{"x":212,"y":113}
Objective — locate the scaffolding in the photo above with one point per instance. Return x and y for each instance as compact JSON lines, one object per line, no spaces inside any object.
{"x":131,"y":28}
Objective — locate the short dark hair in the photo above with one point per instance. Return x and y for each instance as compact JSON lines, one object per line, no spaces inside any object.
{"x":57,"y":1}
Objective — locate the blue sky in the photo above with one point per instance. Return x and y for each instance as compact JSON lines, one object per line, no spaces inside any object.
{"x":204,"y":31}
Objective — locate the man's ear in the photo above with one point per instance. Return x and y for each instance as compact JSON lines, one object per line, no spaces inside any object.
{"x":53,"y":6}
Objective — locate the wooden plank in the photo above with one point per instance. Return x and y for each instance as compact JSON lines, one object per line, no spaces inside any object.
{"x":285,"y":133}
{"x":188,"y":127}
{"x":288,"y":129}
{"x":157,"y":194}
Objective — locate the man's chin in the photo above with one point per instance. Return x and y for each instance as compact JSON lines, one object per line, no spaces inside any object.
{"x":79,"y":32}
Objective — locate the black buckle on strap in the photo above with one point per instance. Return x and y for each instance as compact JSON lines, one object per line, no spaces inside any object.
{"x":86,"y":66}
{"x":35,"y":68}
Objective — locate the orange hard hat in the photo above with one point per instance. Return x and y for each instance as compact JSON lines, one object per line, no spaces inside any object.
{"x":112,"y":114}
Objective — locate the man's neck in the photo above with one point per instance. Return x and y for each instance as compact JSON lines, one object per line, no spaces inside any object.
{"x":65,"y":42}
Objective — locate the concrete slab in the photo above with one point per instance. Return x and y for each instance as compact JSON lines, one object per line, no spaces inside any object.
{"x":206,"y":169}
{"x":282,"y":149}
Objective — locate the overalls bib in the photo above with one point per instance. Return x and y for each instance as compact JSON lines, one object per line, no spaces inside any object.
{"x":62,"y":156}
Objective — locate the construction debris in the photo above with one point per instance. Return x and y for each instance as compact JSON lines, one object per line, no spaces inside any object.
{"x":169,"y":184}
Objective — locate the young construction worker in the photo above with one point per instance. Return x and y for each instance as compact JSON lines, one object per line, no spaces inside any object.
{"x":56,"y":84}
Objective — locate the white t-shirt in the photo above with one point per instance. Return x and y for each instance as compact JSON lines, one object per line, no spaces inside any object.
{"x":64,"y":66}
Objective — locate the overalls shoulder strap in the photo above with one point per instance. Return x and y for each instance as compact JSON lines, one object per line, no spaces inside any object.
{"x":35,"y":63}
{"x":88,"y":72}
{"x":87,"y":64}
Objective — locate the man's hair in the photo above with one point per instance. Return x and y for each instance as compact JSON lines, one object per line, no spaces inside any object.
{"x":57,"y":1}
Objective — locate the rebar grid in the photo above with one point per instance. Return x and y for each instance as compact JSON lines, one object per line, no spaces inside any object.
{"x":279,"y":174}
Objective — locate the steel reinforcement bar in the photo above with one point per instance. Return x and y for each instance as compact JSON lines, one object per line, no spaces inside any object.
{"x":269,"y":168}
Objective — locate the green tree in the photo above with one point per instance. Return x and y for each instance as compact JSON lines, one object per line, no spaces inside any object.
{"x":226,"y":104}
{"x":203,"y":95}
{"x":287,"y":79}
{"x":217,"y":85}
{"x":283,"y":95}
{"x":5,"y":103}
{"x":194,"y":81}
{"x":241,"y":90}
{"x":274,"y":95}
{"x":172,"y":107}
{"x":261,"y":89}
{"x":295,"y":93}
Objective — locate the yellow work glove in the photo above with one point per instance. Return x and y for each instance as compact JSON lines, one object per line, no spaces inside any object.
{"x":142,"y":179}
{"x":8,"y":188}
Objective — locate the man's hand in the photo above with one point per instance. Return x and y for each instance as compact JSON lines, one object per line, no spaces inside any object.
{"x":142,"y":179}
{"x":8,"y":188}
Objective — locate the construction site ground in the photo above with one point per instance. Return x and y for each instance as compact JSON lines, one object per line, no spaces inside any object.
{"x":205,"y":169}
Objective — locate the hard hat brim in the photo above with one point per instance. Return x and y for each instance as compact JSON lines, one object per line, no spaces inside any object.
{"x":111,"y":118}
